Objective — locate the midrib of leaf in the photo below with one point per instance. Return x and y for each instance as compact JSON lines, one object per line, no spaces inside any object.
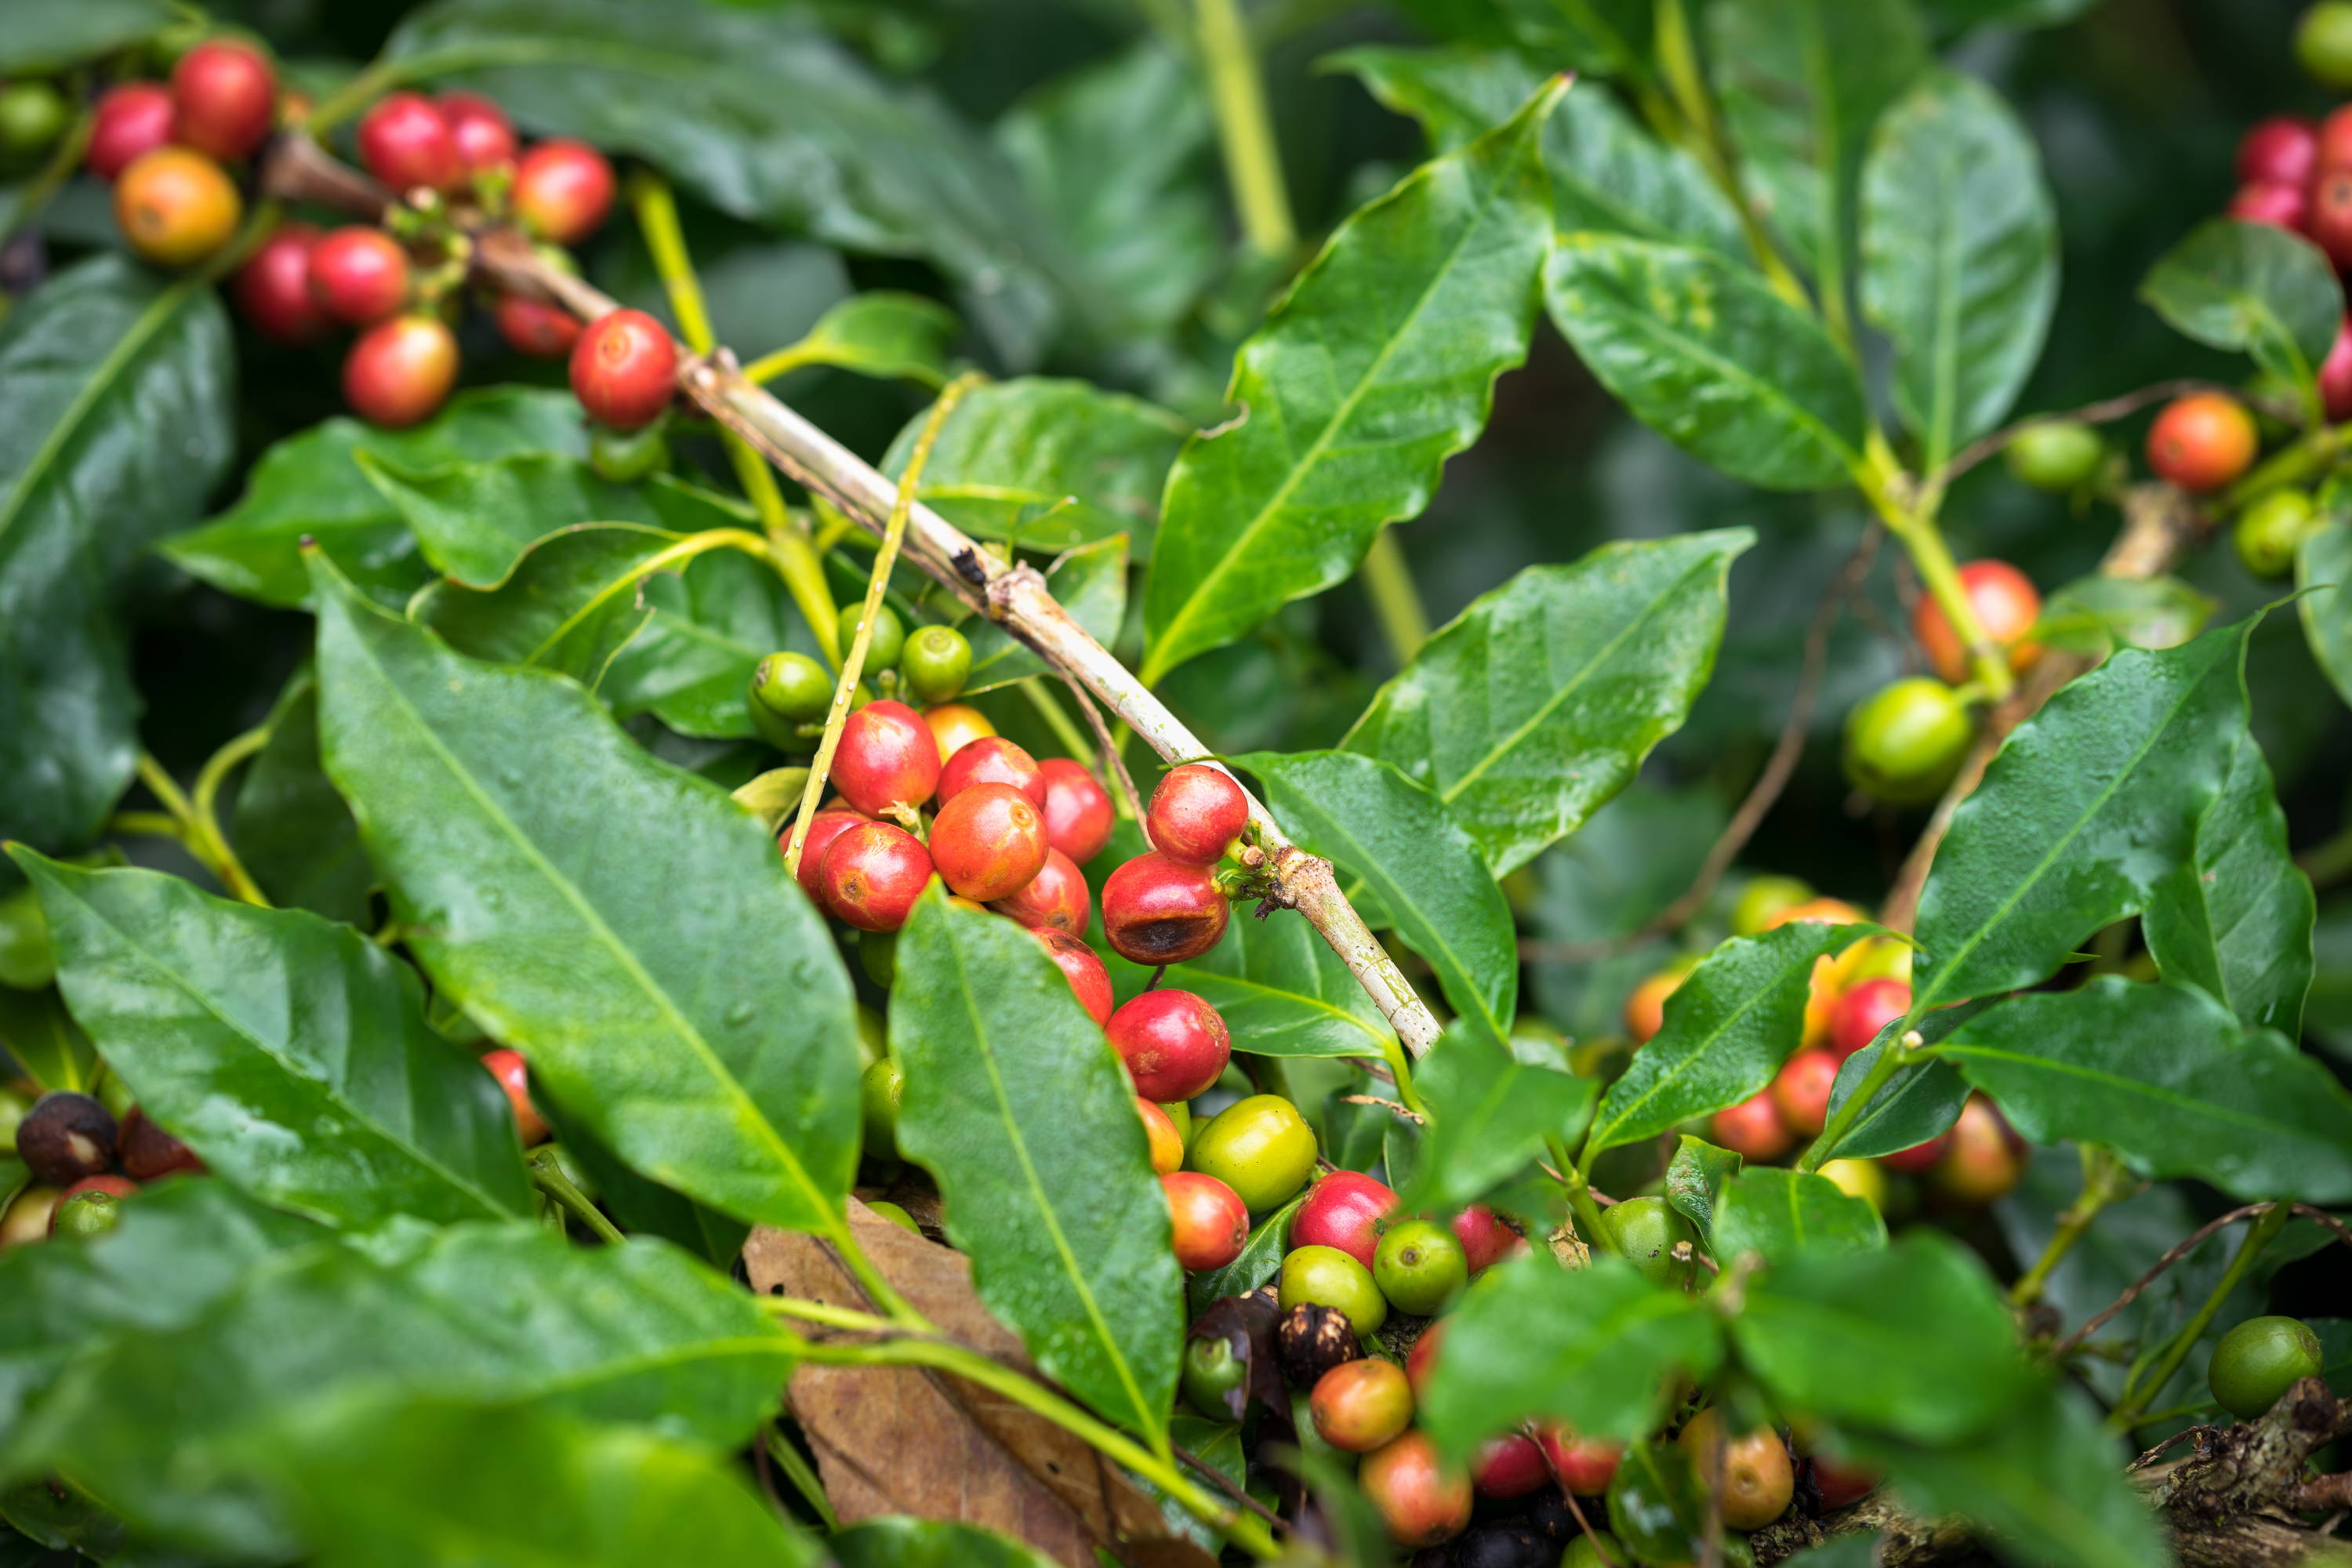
{"x":612,"y":1370}
{"x":2115,"y":1082}
{"x":99,"y":384}
{"x":596,"y":600}
{"x":188,"y":988}
{"x":729,"y":1083}
{"x":1827,"y":148}
{"x":1674,"y":1075}
{"x":1944,"y":401}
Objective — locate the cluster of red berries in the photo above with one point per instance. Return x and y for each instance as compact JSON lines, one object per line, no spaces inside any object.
{"x":2297,"y":173}
{"x":84,"y":1164}
{"x":166,"y":148}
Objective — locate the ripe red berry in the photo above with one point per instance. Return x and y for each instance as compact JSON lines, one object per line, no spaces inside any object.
{"x":1195,"y":812}
{"x":2334,"y":382}
{"x":148,"y":1152}
{"x":130,"y":121}
{"x":1585,"y":1466}
{"x":2205,"y":440}
{"x":1509,"y":1465}
{"x":562,"y":190}
{"x":2328,"y":215}
{"x":1167,"y":1144}
{"x":224,"y":99}
{"x":887,"y":757}
{"x":1056,"y":897}
{"x":1089,"y":981}
{"x":624,"y":370}
{"x":1486,"y":1239}
{"x":1422,"y":1500}
{"x":406,"y":143}
{"x":2332,"y":147}
{"x":1752,"y":1129}
{"x":273,"y":288}
{"x":536,"y":327}
{"x":514,"y":1076}
{"x":1982,"y":1162}
{"x":175,"y":206}
{"x":2281,"y":149}
{"x":399,"y":372}
{"x":479,"y":128}
{"x":1174,"y":1044}
{"x":1342,"y":1210}
{"x":1211,"y":1226}
{"x":1360,"y":1406}
{"x":1839,"y":1485}
{"x":1077,"y":809}
{"x":1920,"y":1158}
{"x":2006,"y":604}
{"x":1157,"y":911}
{"x":1802,"y":1090}
{"x":988,"y":842}
{"x":1861,"y":1012}
{"x":872,"y":875}
{"x":2282,"y":206}
{"x":359,"y":275}
{"x":824,"y":828}
{"x":993,"y":760}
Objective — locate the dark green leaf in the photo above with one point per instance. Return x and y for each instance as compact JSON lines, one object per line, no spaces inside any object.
{"x":639,"y":1206}
{"x":2324,"y":562}
{"x":1490,"y":1113}
{"x":930,"y":1543}
{"x":710,"y":624}
{"x":1018,"y":1105}
{"x":1589,"y":1346}
{"x":1382,"y":829}
{"x":2167,"y":1078}
{"x":2254,"y":286}
{"x":1538,"y":703}
{"x":2088,"y":807}
{"x":44,"y":1040}
{"x":310,"y":484}
{"x":1952,"y":17}
{"x":1260,"y":1260}
{"x":1695,"y":1178}
{"x":1919,"y":1104}
{"x":1728,"y":1027}
{"x":1280,"y":989}
{"x":573,"y":601}
{"x":1959,"y":257}
{"x":882,"y":333}
{"x":1089,"y":580}
{"x":120,"y":392}
{"x":38,"y":38}
{"x":1704,"y":352}
{"x":1377,"y":366}
{"x":1783,"y":1214}
{"x":536,"y":855}
{"x":1603,"y":38}
{"x":291,"y":830}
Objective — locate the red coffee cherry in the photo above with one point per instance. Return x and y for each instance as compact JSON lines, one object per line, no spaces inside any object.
{"x":1920,"y":1158}
{"x":1422,"y":1360}
{"x":1861,"y":1012}
{"x":1056,"y":897}
{"x":1802,"y":1090}
{"x":988,"y":842}
{"x":823,"y":828}
{"x":112,"y":1185}
{"x":993,"y":760}
{"x":2283,"y":149}
{"x":2335,"y":377}
{"x":1486,"y":1239}
{"x":1089,"y":981}
{"x":399,"y":372}
{"x":2205,"y":440}
{"x":1157,"y":911}
{"x":562,"y":189}
{"x":1422,"y":1501}
{"x":1840,"y":1485}
{"x":514,"y":1076}
{"x":1984,"y":1160}
{"x":128,"y":120}
{"x":273,"y":288}
{"x":872,"y":875}
{"x":2328,"y":214}
{"x":224,"y":99}
{"x":2006,"y":604}
{"x":1173,"y":1043}
{"x":887,"y":757}
{"x":1167,"y":1144}
{"x":2333,"y":148}
{"x":1585,"y":1466}
{"x":624,"y":370}
{"x":406,"y":143}
{"x":536,"y":327}
{"x":148,"y":1152}
{"x":175,"y":206}
{"x":1195,"y":812}
{"x":1509,"y":1465}
{"x":1752,"y":1129}
{"x":359,"y":275}
{"x":1077,"y":809}
{"x":2282,"y":206}
{"x":479,"y":128}
{"x":1212,"y":1224}
{"x":1343,"y":1210}
{"x":1360,"y":1406}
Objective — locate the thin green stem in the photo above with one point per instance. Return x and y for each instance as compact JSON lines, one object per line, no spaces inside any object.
{"x":1075,"y":741}
{"x":1245,"y":128}
{"x":1388,"y":579}
{"x":2329,"y":862}
{"x":1706,"y":140}
{"x":796,"y":1469}
{"x":355,"y":95}
{"x":1882,"y":1072}
{"x":144,"y":823}
{"x":2306,"y":458}
{"x":549,"y":1178}
{"x":1911,"y":519}
{"x":1574,"y":1176}
{"x":2127,"y":1413}
{"x":1399,"y":1067}
{"x":194,"y":827}
{"x":2103,"y":1183}
{"x":63,"y":160}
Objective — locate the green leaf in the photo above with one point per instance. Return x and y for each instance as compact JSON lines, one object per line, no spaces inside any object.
{"x":288,"y":1051}
{"x":484,"y":1314}
{"x":1589,"y":1346}
{"x":1910,"y":1340}
{"x":2091,"y":615}
{"x":2236,"y":918}
{"x":2324,"y":562}
{"x":572,"y":603}
{"x":1959,"y":257}
{"x":1490,"y":1113}
{"x":1377,"y":366}
{"x":1695,"y":1178}
{"x":1380,"y":828}
{"x":1280,"y":989}
{"x":1606,"y":38}
{"x":1089,"y":580}
{"x":1537,"y":704}
{"x":2087,"y":808}
{"x":2168,"y":1079}
{"x":1783,"y":1214}
{"x":1259,"y":1262}
{"x":291,"y":830}
{"x":639,"y":1206}
{"x":535,"y":856}
{"x":2256,"y":287}
{"x":1728,"y":1027}
{"x":311,"y":484}
{"x":39,"y":39}
{"x":710,"y":624}
{"x":1047,"y":464}
{"x":1919,"y":1104}
{"x":1704,"y":352}
{"x":930,"y":1543}
{"x":2048,"y":1483}
{"x":1018,"y":1105}
{"x":44,"y":1040}
{"x":120,"y":391}
{"x":882,"y":333}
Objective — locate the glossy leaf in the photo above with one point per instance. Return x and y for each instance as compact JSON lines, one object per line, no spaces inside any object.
{"x":1728,"y":1027}
{"x":1088,"y":580}
{"x":1019,"y":1107}
{"x":2087,"y":808}
{"x":1589,"y":1346}
{"x":1538,"y":703}
{"x":1490,"y":1113}
{"x":639,"y":1206}
{"x":882,"y":333}
{"x":708,"y":1042}
{"x":1703,"y":351}
{"x":572,"y":603}
{"x":2168,"y":1079}
{"x":291,"y":830}
{"x":1785,"y":1214}
{"x":1959,"y":257}
{"x":1260,"y":1260}
{"x":1386,"y":832}
{"x":2236,"y":918}
{"x":1280,"y":989}
{"x":928,"y":1543}
{"x":1695,"y":1178}
{"x":1919,"y":1104}
{"x":2324,"y":562}
{"x":311,"y":484}
{"x":710,"y":622}
{"x":120,"y":391}
{"x":37,"y":38}
{"x":2256,"y":287}
{"x":1377,"y":366}
{"x":288,"y":1051}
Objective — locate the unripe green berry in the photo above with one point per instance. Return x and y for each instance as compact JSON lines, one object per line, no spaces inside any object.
{"x":895,"y":1214}
{"x":879,"y":1092}
{"x":2058,"y":455}
{"x":788,"y":689}
{"x":1420,"y":1265}
{"x":1763,"y":898}
{"x":86,"y":1215}
{"x":2323,"y":44}
{"x":33,"y":115}
{"x":625,"y":457}
{"x":882,"y":649}
{"x":935,"y":664}
{"x":2260,"y":1360}
{"x":2269,"y":531}
{"x":1905,"y":742}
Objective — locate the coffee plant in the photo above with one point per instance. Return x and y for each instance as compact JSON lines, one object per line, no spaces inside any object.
{"x":734,"y":835}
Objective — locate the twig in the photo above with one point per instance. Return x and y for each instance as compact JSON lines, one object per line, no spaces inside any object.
{"x":2104,"y":411}
{"x":1577,"y":1511}
{"x":2343,"y":1232}
{"x":2173,"y":1254}
{"x":1223,"y":1483}
{"x":2129,"y":1414}
{"x":2151,"y":1454}
{"x":1121,"y":779}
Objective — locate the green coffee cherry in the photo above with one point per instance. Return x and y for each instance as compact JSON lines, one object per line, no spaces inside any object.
{"x":1587,"y":1551}
{"x":879,"y":1092}
{"x":1260,"y":1147}
{"x":1212,"y":1371}
{"x":2060,"y":455}
{"x":872,"y":1036}
{"x":788,"y":689}
{"x":889,"y":641}
{"x":87,"y":1214}
{"x":1656,"y":1239}
{"x":1905,"y":742}
{"x":33,"y":115}
{"x":2260,"y":1360}
{"x":1420,"y":1265}
{"x":625,"y":457}
{"x":878,"y":954}
{"x":895,"y":1214}
{"x":935,"y":664}
{"x":1763,"y":898}
{"x":2323,"y":44}
{"x":1330,"y":1278}
{"x":2269,"y":532}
